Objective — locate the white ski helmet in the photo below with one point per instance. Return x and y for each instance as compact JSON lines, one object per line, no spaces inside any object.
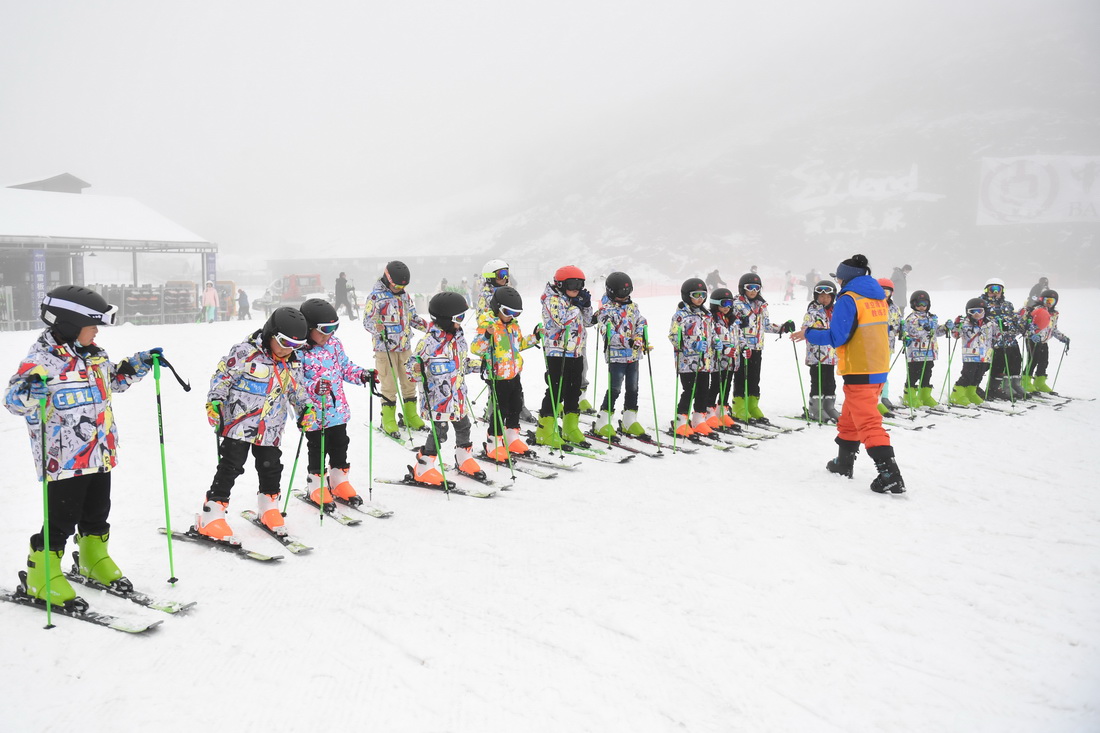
{"x":492,"y":269}
{"x":994,"y":281}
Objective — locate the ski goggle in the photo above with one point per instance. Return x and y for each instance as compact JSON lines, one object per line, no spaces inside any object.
{"x":753,"y":288}
{"x":327,"y":328}
{"x":725,"y":303}
{"x":393,"y":285}
{"x":288,"y":343}
{"x":976,"y":311}
{"x":994,"y":288}
{"x":823,"y":289}
{"x":921,"y":304}
{"x":1049,"y":301}
{"x":501,"y":274}
{"x":106,"y":318}
{"x":697,"y":294}
{"x":458,"y":318}
{"x":510,"y":312}
{"x":573,"y":283}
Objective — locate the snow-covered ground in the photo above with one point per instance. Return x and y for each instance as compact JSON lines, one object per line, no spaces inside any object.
{"x":741,"y":591}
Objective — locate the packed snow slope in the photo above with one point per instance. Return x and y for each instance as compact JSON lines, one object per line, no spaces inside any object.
{"x":740,"y":591}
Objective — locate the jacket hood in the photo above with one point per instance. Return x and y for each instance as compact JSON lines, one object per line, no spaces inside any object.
{"x":866,"y":286}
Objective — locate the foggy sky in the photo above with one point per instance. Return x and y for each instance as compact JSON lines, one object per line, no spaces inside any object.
{"x":262,"y":125}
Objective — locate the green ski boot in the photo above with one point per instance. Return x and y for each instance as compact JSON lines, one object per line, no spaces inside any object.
{"x":94,"y":562}
{"x":586,"y":407}
{"x":740,"y":409}
{"x":412,"y":419}
{"x":926,"y":397}
{"x":910,"y":398}
{"x":1040,"y":385}
{"x":604,"y":426}
{"x":61,"y":591}
{"x":754,"y":409}
{"x":959,"y":396}
{"x":972,"y":393}
{"x":570,"y":428}
{"x":389,"y":418}
{"x":547,"y":432}
{"x":1025,"y":382}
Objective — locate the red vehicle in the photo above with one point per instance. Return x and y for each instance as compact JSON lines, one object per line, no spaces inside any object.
{"x":291,"y":290}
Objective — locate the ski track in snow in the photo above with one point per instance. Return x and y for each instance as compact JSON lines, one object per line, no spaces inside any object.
{"x":747,"y":590}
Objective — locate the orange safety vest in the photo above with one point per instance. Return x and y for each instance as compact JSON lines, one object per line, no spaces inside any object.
{"x":868,"y":350}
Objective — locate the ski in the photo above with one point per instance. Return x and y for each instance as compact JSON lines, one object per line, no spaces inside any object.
{"x":142,"y":599}
{"x":772,"y":427}
{"x":728,"y":439}
{"x":554,"y":463}
{"x":79,"y":611}
{"x":905,"y":426}
{"x":811,"y":421}
{"x":1000,"y":411}
{"x":481,"y":478}
{"x":290,"y":542}
{"x":647,"y":439}
{"x":396,"y":438}
{"x":335,"y":514}
{"x":696,"y":440}
{"x":518,"y":465}
{"x":192,"y":535}
{"x":365,"y":507}
{"x":451,"y":487}
{"x":595,"y":454}
{"x":959,"y":412}
{"x":617,"y":443}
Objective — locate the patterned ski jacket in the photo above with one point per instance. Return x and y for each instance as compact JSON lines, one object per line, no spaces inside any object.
{"x":893,"y":324}
{"x":818,"y":316}
{"x":81,"y":436}
{"x":1001,"y":311}
{"x":693,"y":335}
{"x":1040,"y":335}
{"x":728,"y":330}
{"x":499,"y":345}
{"x":920,"y":331}
{"x":627,"y":324}
{"x":390,"y":317}
{"x":256,"y":391}
{"x":483,"y":297}
{"x":976,"y":339}
{"x":445,"y":364}
{"x":755,"y":321}
{"x":330,"y":362}
{"x":558,"y":316}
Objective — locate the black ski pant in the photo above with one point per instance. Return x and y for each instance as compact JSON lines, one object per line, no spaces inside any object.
{"x":822,"y":380}
{"x":336,"y":448}
{"x":620,"y":372}
{"x":697,"y":383}
{"x":919,"y":374}
{"x":232,"y":454}
{"x":747,"y":377}
{"x":972,"y":373}
{"x":720,"y":384}
{"x":462,"y":435}
{"x":1006,"y":361}
{"x":1038,"y":358}
{"x":80,"y":501}
{"x":563,"y":382}
{"x":508,"y":395}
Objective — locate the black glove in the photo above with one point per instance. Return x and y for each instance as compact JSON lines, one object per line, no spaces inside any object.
{"x":1066,"y":342}
{"x":537,"y":333}
{"x":787,"y":327}
{"x":583,"y":299}
{"x":744,"y":321}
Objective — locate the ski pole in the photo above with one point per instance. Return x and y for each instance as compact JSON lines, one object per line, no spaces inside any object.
{"x":497,"y":417}
{"x":652,"y":390}
{"x":950,"y":355}
{"x":45,"y":504}
{"x":1065,"y":348}
{"x":435,"y":435}
{"x":164,"y":471}
{"x":397,"y":393}
{"x":801,"y":387}
{"x":293,"y":470}
{"x":596,"y":380}
{"x":370,"y":442}
{"x":324,"y":464}
{"x":549,"y":385}
{"x":676,"y":382}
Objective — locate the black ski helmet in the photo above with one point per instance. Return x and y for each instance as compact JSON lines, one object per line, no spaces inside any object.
{"x":749,"y":278}
{"x":974,"y":303}
{"x":1048,"y":293}
{"x":397,"y":273}
{"x":445,"y":306}
{"x":618,"y":285}
{"x":920,"y":297}
{"x":691,"y":285}
{"x":506,"y":296}
{"x":69,"y":308}
{"x":717,"y":296}
{"x":826,"y":284}
{"x":285,"y":321}
{"x":317,"y":311}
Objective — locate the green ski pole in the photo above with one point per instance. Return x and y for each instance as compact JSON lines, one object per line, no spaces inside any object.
{"x":435,"y":435}
{"x":164,"y":471}
{"x":652,"y":389}
{"x":45,"y":507}
{"x":324,"y":465}
{"x":497,"y":417}
{"x":293,"y":470}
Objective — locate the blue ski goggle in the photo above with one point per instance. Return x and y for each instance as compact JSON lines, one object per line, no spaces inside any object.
{"x":725,"y":303}
{"x":510,"y":312}
{"x":327,"y":328}
{"x":288,"y":343}
{"x":994,"y":288}
{"x":501,"y":274}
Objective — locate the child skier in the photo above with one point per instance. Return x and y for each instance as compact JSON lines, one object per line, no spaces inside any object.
{"x":921,"y":350}
{"x":692,"y":333}
{"x":498,"y":344}
{"x":727,"y":329}
{"x":1006,"y":360}
{"x":439,"y":365}
{"x":389,"y":315}
{"x":893,"y":325}
{"x":752,"y":310}
{"x":566,"y":312}
{"x":621,"y":331}
{"x":74,"y":376}
{"x":326,"y":367}
{"x":495,"y":274}
{"x":821,"y":359}
{"x":1037,"y":337}
{"x":976,"y":333}
{"x":247,"y":405}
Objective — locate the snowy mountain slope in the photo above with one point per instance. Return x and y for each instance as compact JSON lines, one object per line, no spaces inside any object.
{"x":747,"y":591}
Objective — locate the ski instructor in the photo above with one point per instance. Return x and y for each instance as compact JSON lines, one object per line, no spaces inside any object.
{"x":858,"y":333}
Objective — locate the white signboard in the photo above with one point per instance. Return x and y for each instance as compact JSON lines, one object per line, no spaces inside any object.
{"x":1039,"y":189}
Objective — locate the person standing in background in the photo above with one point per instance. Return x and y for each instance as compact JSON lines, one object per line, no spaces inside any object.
{"x":901,"y":287}
{"x":341,"y":294}
{"x":242,"y":305}
{"x":210,"y":302}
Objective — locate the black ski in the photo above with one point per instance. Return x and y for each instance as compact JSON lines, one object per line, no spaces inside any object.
{"x":192,"y":535}
{"x":78,"y":609}
{"x":648,"y":439}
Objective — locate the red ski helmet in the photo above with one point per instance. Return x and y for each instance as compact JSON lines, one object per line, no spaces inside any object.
{"x":570,"y":275}
{"x":886,"y":283}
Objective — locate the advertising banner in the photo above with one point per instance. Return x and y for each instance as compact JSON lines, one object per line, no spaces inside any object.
{"x":1039,"y":189}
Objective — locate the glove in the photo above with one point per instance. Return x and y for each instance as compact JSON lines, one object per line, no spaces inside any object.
{"x":638,"y":343}
{"x":369,"y":376}
{"x":537,"y":333}
{"x":147,"y":356}
{"x":1036,"y":338}
{"x":37,"y":389}
{"x":307,"y":421}
{"x":583,"y":299}
{"x":324,"y":388}
{"x":1066,"y":342}
{"x":787,"y":327}
{"x":744,"y":321}
{"x":214,"y":413}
